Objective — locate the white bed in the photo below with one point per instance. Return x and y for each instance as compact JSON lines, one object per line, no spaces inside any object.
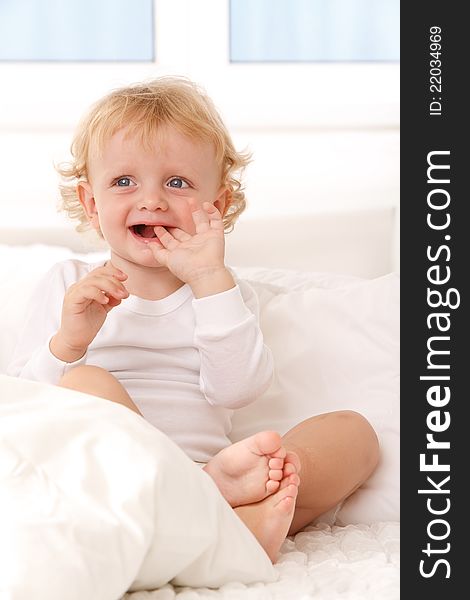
{"x":341,"y":323}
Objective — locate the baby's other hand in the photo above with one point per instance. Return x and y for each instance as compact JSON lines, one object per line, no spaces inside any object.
{"x":84,"y":310}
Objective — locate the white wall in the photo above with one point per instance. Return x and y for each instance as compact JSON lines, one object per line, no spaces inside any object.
{"x":291,"y":172}
{"x":325,"y":138}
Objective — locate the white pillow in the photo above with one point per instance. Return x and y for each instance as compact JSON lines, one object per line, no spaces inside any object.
{"x":335,"y":342}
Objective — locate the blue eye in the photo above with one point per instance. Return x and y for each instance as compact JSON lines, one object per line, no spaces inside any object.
{"x":124,"y":182}
{"x":177,"y":182}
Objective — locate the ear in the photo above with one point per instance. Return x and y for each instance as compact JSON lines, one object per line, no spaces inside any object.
{"x":223,"y":200}
{"x":87,"y":200}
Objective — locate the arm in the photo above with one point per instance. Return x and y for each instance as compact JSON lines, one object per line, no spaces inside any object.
{"x":67,"y":310}
{"x":236,"y":366}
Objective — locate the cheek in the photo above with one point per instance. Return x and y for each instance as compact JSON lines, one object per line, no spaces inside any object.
{"x":186,"y":220}
{"x":189,"y":226}
{"x":109,"y":221}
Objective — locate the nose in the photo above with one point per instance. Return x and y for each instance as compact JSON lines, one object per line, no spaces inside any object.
{"x":152,"y":201}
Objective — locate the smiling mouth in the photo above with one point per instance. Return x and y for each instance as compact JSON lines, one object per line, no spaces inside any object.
{"x":143,"y":231}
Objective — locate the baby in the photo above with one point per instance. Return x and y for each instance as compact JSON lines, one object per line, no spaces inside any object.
{"x":163,"y":326}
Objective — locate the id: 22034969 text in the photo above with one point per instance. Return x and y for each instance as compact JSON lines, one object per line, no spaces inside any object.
{"x":435,"y":70}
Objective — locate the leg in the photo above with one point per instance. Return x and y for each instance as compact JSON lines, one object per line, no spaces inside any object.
{"x":97,"y":382}
{"x":245,"y":472}
{"x":269,"y":520}
{"x":338,"y":451}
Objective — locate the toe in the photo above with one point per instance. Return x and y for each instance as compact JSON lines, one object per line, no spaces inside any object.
{"x":276,"y":474}
{"x":293,"y":479}
{"x":289,"y":492}
{"x":292,"y":457}
{"x":269,"y":442}
{"x":272,"y":486}
{"x":289,"y":468}
{"x":292,"y":490}
{"x":280,"y":453}
{"x":276,"y":463}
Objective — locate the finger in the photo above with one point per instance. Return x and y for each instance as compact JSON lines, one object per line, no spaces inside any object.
{"x":165,"y":237}
{"x":103,"y":273}
{"x":160,"y":254}
{"x":88,"y":294}
{"x":104,"y":276}
{"x":108,"y":284}
{"x":199,"y":215}
{"x":179,"y":234}
{"x":111,"y":269}
{"x":112,"y":303}
{"x":211,"y":208}
{"x":105,"y":286}
{"x":201,"y":220}
{"x":215,"y":218}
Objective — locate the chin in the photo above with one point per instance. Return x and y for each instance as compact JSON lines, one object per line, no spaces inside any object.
{"x":147,"y":259}
{"x":144,"y":258}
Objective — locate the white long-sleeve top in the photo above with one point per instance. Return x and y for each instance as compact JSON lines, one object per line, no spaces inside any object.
{"x":185,"y":362}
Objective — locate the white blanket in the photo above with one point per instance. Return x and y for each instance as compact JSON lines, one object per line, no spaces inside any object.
{"x":356,"y":562}
{"x":94,"y":501}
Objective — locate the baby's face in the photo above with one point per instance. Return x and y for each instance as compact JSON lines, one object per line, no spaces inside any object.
{"x":132,"y":188}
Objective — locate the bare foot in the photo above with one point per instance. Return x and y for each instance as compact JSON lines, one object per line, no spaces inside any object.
{"x":270,"y":519}
{"x":249,"y":470}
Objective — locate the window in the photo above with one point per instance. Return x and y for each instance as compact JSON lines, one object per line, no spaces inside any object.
{"x":314,"y":30}
{"x":76,"y":30}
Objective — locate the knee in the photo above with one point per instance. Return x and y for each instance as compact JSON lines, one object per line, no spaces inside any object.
{"x":76,"y":377}
{"x":364,"y":438}
{"x":97,"y":382}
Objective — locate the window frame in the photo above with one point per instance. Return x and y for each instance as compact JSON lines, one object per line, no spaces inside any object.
{"x":52,"y":96}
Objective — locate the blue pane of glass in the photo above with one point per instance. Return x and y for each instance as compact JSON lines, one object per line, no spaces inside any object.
{"x":314,"y":30}
{"x":100,"y":30}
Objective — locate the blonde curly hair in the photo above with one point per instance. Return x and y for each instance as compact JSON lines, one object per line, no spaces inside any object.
{"x":142,"y":108}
